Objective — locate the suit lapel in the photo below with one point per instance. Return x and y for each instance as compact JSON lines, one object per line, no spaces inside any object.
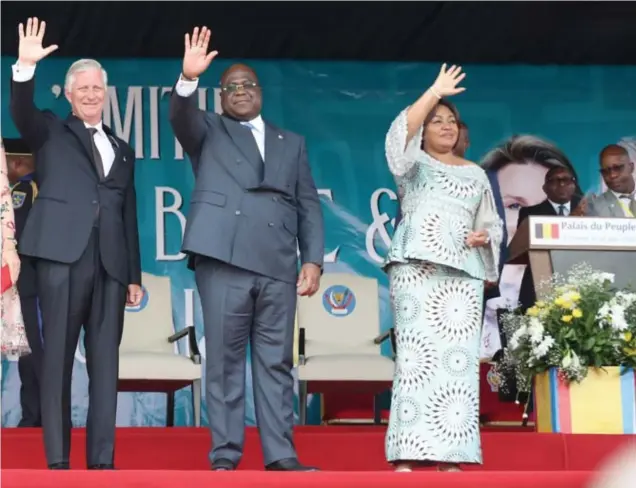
{"x":274,"y":150}
{"x":119,"y":154}
{"x":80,"y":131}
{"x":243,"y":139}
{"x":614,"y":208}
{"x":548,"y":209}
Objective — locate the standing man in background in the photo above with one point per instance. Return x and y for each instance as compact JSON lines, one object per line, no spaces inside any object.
{"x":82,"y":235}
{"x":254,"y":206}
{"x":24,"y":190}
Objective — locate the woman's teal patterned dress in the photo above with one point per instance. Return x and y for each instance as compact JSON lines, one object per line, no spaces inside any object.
{"x":437,"y":285}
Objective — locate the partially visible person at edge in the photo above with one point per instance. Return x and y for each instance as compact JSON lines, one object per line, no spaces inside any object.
{"x":13,"y":341}
{"x":253,"y":184}
{"x":618,"y":174}
{"x":83,"y":238}
{"x":444,"y":249}
{"x":463,"y":142}
{"x":24,"y":190}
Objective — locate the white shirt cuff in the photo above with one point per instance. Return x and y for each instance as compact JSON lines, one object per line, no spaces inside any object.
{"x":22,"y":73}
{"x":185,"y":88}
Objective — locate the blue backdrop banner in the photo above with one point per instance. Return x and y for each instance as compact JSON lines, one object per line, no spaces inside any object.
{"x":344,"y":110}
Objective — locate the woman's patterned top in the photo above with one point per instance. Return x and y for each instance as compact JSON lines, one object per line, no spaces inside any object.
{"x":440,"y":204}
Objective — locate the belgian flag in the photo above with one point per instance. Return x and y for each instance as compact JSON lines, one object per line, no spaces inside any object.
{"x":546,"y":231}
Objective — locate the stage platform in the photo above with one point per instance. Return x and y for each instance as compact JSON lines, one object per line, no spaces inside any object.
{"x":352,"y":456}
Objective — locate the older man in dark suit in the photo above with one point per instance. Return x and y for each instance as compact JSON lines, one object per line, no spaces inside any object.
{"x":254,"y":205}
{"x":82,"y":235}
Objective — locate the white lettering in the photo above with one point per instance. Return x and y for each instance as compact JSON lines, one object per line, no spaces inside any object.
{"x":161,"y":209}
{"x":155,"y":152}
{"x":134,"y":107}
{"x":378,"y":226}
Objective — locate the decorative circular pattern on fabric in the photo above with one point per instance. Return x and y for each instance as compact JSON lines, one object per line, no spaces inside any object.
{"x":453,"y":309}
{"x":453,"y":412}
{"x":457,"y":361}
{"x":416,"y":360}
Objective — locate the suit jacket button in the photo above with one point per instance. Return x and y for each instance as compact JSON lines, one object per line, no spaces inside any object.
{"x":271,"y":224}
{"x":94,"y":202}
{"x":238,"y":212}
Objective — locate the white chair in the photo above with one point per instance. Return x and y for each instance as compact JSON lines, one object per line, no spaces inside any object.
{"x":338,"y":341}
{"x":147,"y":358}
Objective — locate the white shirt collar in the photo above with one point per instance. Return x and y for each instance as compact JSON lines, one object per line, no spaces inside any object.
{"x":257,"y":122}
{"x":557,"y":205}
{"x":97,"y":126}
{"x":618,"y":195}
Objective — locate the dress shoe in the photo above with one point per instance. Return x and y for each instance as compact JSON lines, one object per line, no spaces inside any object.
{"x":290,"y":464}
{"x":59,"y":466}
{"x":223,"y":465}
{"x":101,"y":466}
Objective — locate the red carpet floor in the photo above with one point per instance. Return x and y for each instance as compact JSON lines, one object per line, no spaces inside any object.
{"x":156,"y":457}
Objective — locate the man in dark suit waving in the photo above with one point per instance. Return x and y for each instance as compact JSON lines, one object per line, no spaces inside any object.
{"x":254,"y":205}
{"x":82,"y":234}
{"x":560,"y":188}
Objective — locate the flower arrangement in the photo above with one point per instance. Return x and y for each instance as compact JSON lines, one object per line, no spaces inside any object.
{"x":582,"y":322}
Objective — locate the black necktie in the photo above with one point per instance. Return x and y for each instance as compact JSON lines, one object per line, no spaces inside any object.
{"x":561,"y":209}
{"x":99,"y":164}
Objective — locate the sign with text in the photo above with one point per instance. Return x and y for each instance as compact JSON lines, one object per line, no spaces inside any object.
{"x":584,"y":232}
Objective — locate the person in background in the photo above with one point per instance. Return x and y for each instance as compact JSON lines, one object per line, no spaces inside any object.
{"x":83,"y":238}
{"x":444,"y":249}
{"x":463,"y":142}
{"x":618,"y":174}
{"x":13,"y":340}
{"x":24,"y":190}
{"x":562,"y":199}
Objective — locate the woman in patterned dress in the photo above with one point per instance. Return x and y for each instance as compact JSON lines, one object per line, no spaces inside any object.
{"x":14,"y":342}
{"x":444,"y":249}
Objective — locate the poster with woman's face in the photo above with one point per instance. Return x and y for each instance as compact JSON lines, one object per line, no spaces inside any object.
{"x":520,"y":164}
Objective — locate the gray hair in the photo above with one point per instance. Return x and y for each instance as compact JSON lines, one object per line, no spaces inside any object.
{"x":80,"y":66}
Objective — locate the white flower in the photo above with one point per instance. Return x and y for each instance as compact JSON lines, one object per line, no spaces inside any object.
{"x":541,"y":349}
{"x":535,"y":330}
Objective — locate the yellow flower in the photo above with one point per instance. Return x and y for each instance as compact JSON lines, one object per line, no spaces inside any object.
{"x":567,"y":319}
{"x":574,"y":296}
{"x":627,"y":336}
{"x":629,"y":352}
{"x":540,"y":304}
{"x":577,"y":313}
{"x":558,"y":301}
{"x":532,"y":311}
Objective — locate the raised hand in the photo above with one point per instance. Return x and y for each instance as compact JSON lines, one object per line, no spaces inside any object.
{"x":196,"y":58}
{"x":446,"y":83}
{"x":30,"y":49}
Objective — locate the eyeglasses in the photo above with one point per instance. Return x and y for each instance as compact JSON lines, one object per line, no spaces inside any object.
{"x":562,"y":181}
{"x":617,"y":168}
{"x":234,"y":87}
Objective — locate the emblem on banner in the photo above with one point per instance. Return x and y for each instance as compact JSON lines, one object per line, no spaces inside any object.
{"x":18,"y":198}
{"x":143,"y":304}
{"x":339,"y":300}
{"x":494,"y":379}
